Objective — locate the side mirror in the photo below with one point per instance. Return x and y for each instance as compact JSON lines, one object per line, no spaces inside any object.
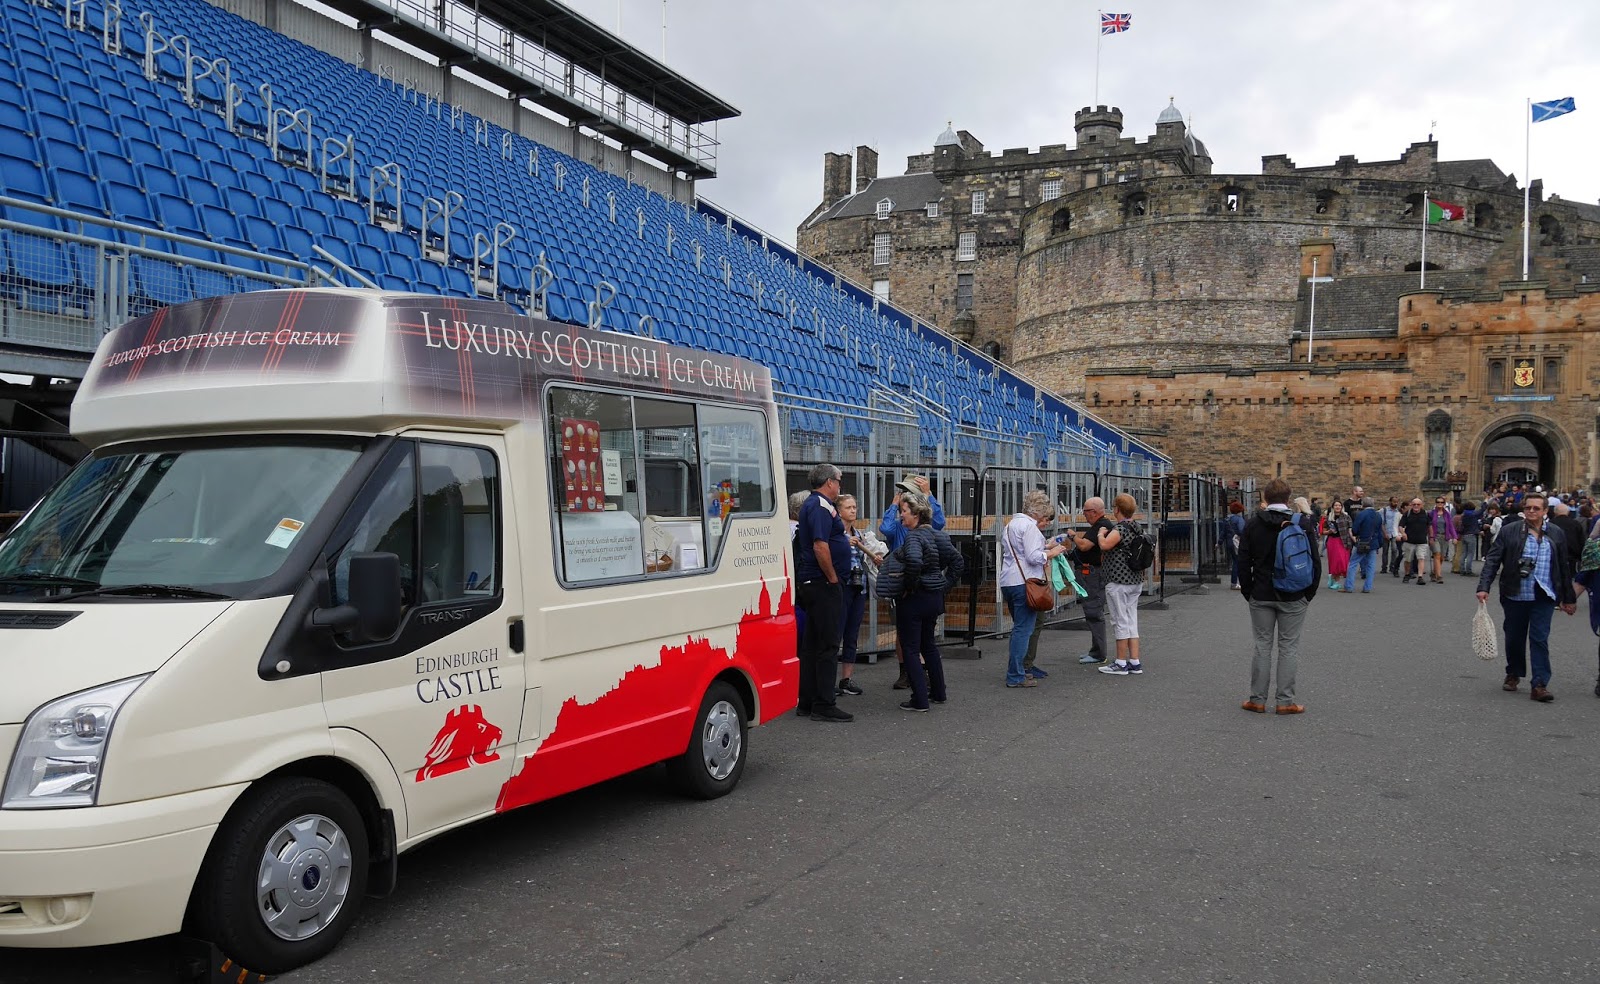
{"x":374,"y":609}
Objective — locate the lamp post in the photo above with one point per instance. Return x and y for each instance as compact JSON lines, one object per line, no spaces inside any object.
{"x":1311,"y":331}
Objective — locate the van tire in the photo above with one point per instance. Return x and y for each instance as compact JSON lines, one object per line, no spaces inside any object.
{"x":302,"y":821}
{"x":714,"y":761}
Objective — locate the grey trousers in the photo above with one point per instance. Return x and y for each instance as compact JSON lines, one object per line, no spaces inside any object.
{"x":1094,"y":611}
{"x":1283,"y":619}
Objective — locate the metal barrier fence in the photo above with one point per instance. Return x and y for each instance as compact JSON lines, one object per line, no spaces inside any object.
{"x":1195,"y":547}
{"x":31,"y":462}
{"x":72,"y":278}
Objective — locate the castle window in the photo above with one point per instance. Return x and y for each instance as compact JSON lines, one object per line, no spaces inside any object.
{"x":1325,"y":202}
{"x":1549,"y":230}
{"x":980,"y":201}
{"x":967,"y":246}
{"x":1136,"y":204}
{"x":1482,"y":216}
{"x":883,"y":208}
{"x":880,"y":289}
{"x":933,"y":210}
{"x":880,"y":249}
{"x":1497,"y":376}
{"x":1232,"y":200}
{"x":1413,"y":205}
{"x":1050,"y":189}
{"x":1060,"y":222}
{"x":963,"y":292}
{"x":1550,"y":382}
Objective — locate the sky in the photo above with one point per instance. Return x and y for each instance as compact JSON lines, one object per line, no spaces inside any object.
{"x":1313,"y":81}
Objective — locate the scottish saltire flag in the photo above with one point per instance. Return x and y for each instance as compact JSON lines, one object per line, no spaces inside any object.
{"x":1117,"y":23}
{"x":1547,"y":110}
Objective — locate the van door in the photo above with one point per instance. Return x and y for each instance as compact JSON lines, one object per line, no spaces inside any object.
{"x":443,"y":698}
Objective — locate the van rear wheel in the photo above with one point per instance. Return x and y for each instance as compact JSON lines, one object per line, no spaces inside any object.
{"x":714,"y":761}
{"x":286,"y":875}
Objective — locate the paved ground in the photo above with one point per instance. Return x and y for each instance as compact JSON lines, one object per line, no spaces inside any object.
{"x":1416,"y":825}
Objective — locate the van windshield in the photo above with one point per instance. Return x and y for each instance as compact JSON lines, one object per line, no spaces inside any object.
{"x":207,"y":516}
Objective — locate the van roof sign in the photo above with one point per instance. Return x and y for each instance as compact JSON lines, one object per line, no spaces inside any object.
{"x":353,"y":358}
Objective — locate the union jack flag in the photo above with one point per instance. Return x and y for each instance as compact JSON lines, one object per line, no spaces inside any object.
{"x":1115,"y":23}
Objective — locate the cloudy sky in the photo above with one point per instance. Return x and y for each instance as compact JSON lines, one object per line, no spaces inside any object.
{"x":1273,"y":77}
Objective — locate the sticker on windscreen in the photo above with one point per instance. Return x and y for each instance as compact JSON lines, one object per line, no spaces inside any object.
{"x":284,"y":533}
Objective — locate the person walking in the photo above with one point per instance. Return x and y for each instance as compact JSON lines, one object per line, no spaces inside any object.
{"x":1087,"y":542}
{"x":1442,"y":538}
{"x":1535,"y":576}
{"x":1589,"y":581}
{"x":1414,"y":527}
{"x":1275,"y":613}
{"x":894,"y":535}
{"x":932,"y":566}
{"x":1336,"y":528}
{"x":855,"y":598}
{"x":1469,"y":523}
{"x":1124,"y":584}
{"x":1572,"y":528}
{"x":1023,"y":555}
{"x":1366,"y":533}
{"x":1232,"y":530}
{"x":822,"y":557}
{"x":1391,"y":536}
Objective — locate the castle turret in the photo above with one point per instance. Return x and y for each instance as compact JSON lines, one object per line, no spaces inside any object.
{"x":1098,"y":127}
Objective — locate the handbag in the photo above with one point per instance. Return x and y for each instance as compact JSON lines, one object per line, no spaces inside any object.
{"x":1485,"y":640}
{"x":1040,"y":594}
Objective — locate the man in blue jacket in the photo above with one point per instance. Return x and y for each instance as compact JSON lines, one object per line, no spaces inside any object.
{"x":1366,"y":532}
{"x":1535,"y":573}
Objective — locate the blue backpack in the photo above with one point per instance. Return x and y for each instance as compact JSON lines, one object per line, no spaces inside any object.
{"x":1294,"y":566}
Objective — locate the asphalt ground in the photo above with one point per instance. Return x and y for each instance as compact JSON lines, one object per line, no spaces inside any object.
{"x":1417,"y":824}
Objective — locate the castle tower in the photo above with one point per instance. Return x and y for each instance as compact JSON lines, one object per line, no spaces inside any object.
{"x":1097,"y":128}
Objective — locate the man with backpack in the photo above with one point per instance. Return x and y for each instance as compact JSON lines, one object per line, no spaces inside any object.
{"x":1366,"y":531}
{"x":1279,"y":570}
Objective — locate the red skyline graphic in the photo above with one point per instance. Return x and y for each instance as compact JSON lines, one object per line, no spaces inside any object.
{"x":647,"y":716}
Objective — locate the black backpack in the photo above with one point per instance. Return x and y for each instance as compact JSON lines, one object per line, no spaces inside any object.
{"x":1141,"y":550}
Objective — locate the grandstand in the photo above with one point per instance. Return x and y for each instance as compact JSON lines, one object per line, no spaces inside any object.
{"x":171,"y":149}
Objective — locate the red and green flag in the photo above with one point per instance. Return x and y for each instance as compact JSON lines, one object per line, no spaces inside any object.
{"x":1445,"y":211}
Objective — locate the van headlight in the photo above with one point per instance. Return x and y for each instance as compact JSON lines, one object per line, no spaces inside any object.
{"x":63,"y":747}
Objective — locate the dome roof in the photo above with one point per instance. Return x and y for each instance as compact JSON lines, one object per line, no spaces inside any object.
{"x":1171,"y":114}
{"x":948,"y":138}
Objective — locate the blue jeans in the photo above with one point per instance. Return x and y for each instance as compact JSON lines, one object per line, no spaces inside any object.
{"x":1022,"y":619}
{"x":1528,"y":622}
{"x":1364,"y":562}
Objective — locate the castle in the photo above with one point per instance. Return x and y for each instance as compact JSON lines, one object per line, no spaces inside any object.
{"x":1178,"y":303}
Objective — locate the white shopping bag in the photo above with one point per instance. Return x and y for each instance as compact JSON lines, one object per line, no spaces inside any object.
{"x":1485,"y":638}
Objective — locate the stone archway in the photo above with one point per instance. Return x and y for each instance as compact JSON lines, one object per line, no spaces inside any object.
{"x":1507,"y":443}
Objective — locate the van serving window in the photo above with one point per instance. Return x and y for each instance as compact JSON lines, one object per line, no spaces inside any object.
{"x":644,"y":487}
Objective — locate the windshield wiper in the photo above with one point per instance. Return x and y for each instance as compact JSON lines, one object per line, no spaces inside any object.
{"x":147,"y":591}
{"x":48,"y":580}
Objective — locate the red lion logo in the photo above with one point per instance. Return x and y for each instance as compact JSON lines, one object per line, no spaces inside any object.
{"x":465,"y":740}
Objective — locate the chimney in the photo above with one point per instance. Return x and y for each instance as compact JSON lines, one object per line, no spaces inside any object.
{"x":866,"y":167}
{"x":835,"y":177}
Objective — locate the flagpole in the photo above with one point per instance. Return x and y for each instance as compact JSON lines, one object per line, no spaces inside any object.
{"x":1527,"y":182}
{"x":1099,"y":33}
{"x":1422,"y":269}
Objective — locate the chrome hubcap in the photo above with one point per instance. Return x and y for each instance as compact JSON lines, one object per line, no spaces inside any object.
{"x":304,"y":877}
{"x":720,"y":741}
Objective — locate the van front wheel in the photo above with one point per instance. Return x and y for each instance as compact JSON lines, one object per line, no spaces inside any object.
{"x":714,"y":761}
{"x":286,"y":875}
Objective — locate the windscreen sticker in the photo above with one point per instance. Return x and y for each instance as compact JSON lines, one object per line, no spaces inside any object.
{"x":284,"y":533}
{"x":207,"y":540}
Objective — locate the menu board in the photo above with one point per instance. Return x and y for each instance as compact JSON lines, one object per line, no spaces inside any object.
{"x":580,"y":465}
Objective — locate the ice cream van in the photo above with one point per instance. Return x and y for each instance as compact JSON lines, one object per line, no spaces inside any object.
{"x":346,"y":570}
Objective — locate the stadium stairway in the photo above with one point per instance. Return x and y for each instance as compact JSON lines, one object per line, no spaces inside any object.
{"x":84,"y":129}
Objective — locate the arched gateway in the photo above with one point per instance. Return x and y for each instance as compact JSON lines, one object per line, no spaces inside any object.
{"x":1522,"y":447}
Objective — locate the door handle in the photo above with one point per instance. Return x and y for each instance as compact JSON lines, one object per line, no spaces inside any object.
{"x":518,"y":636}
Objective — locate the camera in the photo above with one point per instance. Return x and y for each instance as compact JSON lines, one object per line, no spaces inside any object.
{"x":1525,"y":566}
